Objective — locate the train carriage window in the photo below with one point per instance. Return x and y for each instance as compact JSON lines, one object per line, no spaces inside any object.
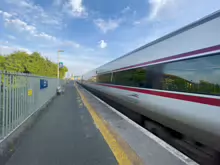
{"x":92,"y":79}
{"x":197,"y":75}
{"x":134,"y":77}
{"x":139,"y":77}
{"x":104,"y":78}
{"x":124,"y":78}
{"x":156,"y":75}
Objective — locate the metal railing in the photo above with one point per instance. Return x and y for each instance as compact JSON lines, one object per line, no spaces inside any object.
{"x":20,"y":96}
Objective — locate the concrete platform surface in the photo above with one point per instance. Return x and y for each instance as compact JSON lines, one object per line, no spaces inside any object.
{"x":64,"y":135}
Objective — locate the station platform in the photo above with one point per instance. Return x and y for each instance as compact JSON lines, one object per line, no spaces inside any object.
{"x":63,"y":135}
{"x":77,"y":128}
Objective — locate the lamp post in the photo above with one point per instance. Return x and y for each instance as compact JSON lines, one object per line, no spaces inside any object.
{"x":58,"y":68}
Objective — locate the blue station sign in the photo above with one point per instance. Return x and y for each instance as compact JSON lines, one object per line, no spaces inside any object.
{"x":43,"y":83}
{"x":61,"y":65}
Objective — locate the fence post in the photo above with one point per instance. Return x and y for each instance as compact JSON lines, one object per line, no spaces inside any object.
{"x":3,"y":105}
{"x":10,"y":103}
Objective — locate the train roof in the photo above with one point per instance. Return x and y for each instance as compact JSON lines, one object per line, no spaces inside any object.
{"x":203,"y":20}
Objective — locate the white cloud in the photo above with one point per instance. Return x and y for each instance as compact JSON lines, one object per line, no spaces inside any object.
{"x":166,"y":16}
{"x":23,"y":26}
{"x":126,"y":9}
{"x":7,"y":49}
{"x":11,"y":37}
{"x":166,"y":8}
{"x":31,"y":12}
{"x":4,"y":42}
{"x":61,"y":44}
{"x":157,"y":6}
{"x":173,"y":10}
{"x":102,"y":44}
{"x":176,"y":9}
{"x":75,"y":8}
{"x":137,"y":22}
{"x":46,"y":36}
{"x":20,"y":25}
{"x":106,"y":26}
{"x":24,"y":4}
{"x":46,"y":19}
{"x":66,"y":44}
{"x":7,"y":15}
{"x":70,"y":44}
{"x":27,"y":4}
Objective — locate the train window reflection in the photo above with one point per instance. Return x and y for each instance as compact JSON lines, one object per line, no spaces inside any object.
{"x":140,"y":77}
{"x":92,"y":79}
{"x":134,"y":77}
{"x":104,"y":78}
{"x":124,"y":78}
{"x":198,"y":75}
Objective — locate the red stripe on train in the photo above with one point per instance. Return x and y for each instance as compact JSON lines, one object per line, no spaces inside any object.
{"x":197,"y":99}
{"x":195,"y":52}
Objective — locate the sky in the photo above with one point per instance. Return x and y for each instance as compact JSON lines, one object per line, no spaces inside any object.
{"x":92,"y":32}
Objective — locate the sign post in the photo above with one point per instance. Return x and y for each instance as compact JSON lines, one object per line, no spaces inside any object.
{"x":58,"y":67}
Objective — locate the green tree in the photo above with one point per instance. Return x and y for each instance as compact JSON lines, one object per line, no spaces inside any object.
{"x":30,"y":63}
{"x":2,"y":61}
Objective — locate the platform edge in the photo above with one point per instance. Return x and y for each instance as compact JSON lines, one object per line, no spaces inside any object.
{"x":121,"y":150}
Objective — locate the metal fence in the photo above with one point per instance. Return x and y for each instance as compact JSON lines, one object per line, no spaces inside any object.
{"x":20,"y":96}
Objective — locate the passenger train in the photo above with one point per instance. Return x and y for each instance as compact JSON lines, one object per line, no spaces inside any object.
{"x":174,"y":81}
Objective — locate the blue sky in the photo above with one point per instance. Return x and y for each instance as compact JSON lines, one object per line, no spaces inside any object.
{"x":92,"y":32}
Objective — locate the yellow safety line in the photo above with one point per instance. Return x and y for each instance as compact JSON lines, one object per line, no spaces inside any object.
{"x":117,"y":150}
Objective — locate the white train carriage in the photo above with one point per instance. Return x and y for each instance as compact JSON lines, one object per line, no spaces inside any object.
{"x":174,"y":80}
